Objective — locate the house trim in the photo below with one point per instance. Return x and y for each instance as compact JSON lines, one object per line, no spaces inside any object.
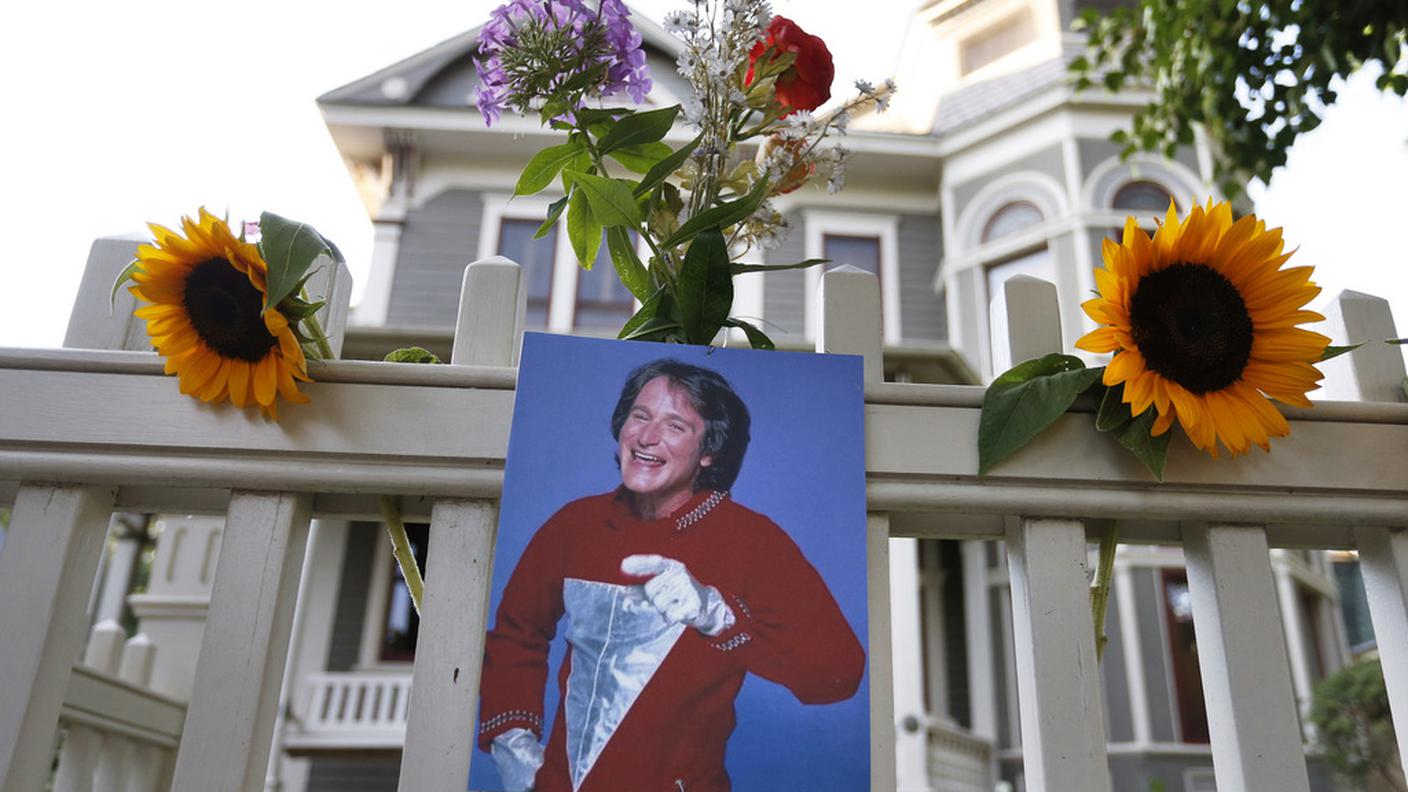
{"x":818,"y":224}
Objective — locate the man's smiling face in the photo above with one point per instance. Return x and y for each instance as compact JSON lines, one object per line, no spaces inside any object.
{"x":659,"y":447}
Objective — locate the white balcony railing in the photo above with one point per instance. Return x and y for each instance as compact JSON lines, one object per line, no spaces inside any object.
{"x":84,"y":432}
{"x":339,"y":711}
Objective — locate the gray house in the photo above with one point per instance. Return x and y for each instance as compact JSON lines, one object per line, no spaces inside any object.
{"x":988,"y":165}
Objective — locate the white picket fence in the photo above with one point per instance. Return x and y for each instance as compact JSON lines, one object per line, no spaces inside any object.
{"x":84,"y":432}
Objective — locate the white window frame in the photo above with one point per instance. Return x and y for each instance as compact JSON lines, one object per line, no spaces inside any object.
{"x":501,"y":206}
{"x":886,"y":227}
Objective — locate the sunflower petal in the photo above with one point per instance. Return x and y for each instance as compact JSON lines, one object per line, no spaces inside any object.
{"x":239,"y":383}
{"x":1099,"y":340}
{"x":266,"y":375}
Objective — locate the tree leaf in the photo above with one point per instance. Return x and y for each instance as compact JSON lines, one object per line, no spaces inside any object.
{"x":583,"y":230}
{"x":756,"y":338}
{"x":554,"y":211}
{"x":544,"y":167}
{"x":721,"y":216}
{"x":612,"y":200}
{"x":1025,"y":400}
{"x":628,"y":267}
{"x":661,"y":170}
{"x":1136,"y":436}
{"x":122,"y":278}
{"x":649,"y":309}
{"x":741,"y":269}
{"x":413,"y":354}
{"x":289,"y":248}
{"x":705,"y":288}
{"x":1336,"y":351}
{"x":640,"y":158}
{"x":655,"y":329}
{"x":638,"y":128}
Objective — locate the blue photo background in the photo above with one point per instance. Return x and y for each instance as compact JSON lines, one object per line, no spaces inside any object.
{"x":805,"y":469}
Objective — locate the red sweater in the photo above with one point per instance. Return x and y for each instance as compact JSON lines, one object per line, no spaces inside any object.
{"x":787,"y":629}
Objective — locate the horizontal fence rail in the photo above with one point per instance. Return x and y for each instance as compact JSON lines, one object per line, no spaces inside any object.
{"x":84,"y":432}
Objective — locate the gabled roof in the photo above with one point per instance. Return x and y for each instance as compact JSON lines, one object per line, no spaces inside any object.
{"x":981,"y":100}
{"x":443,"y":75}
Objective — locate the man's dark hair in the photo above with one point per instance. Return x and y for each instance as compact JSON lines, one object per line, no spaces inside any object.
{"x":725,"y":416}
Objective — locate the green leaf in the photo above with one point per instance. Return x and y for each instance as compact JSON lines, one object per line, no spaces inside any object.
{"x":649,"y":309}
{"x":289,"y":248}
{"x":640,"y":158}
{"x":661,"y":170}
{"x":612,"y":200}
{"x":1025,"y":400}
{"x":596,"y":115}
{"x":1396,"y":341}
{"x":741,"y":269}
{"x":554,"y":211}
{"x":1152,"y":451}
{"x":1336,"y":351}
{"x":298,"y":310}
{"x":638,"y":128}
{"x":544,"y":167}
{"x":756,"y":338}
{"x":582,"y":164}
{"x":1113,"y":413}
{"x":583,"y":230}
{"x":721,"y":216}
{"x":705,"y":289}
{"x":627,"y":263}
{"x":122,"y":278}
{"x":412,"y":354}
{"x":655,"y":329}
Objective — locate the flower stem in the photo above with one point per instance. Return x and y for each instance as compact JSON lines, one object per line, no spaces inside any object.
{"x":1100,"y":590}
{"x":401,"y":548}
{"x":315,"y":328}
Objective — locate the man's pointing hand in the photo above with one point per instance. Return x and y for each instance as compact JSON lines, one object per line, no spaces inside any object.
{"x":677,"y":595}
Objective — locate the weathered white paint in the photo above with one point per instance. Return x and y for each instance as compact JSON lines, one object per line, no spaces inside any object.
{"x":225,"y":746}
{"x":1383,"y":559}
{"x":100,"y":319}
{"x":1374,"y":372}
{"x":1058,"y":676}
{"x":1252,"y":716}
{"x":49,"y":559}
{"x":459,"y":562}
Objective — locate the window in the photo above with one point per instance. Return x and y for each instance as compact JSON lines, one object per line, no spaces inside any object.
{"x":1142,"y":196}
{"x":858,"y":251}
{"x":1183,"y":651}
{"x":864,"y":240}
{"x":402,"y":625}
{"x":536,"y":257}
{"x":1010,"y":219}
{"x":1037,"y":264}
{"x":992,"y":43}
{"x":602,"y":300}
{"x":1354,"y":603}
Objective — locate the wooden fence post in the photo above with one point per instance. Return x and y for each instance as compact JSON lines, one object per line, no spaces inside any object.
{"x":46,"y":572}
{"x":459,"y":563}
{"x":1375,"y":372}
{"x":850,"y":311}
{"x":1058,"y":676}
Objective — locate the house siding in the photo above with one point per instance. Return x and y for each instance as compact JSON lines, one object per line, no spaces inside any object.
{"x":1157,"y":683}
{"x":351,"y":610}
{"x":438,"y":240}
{"x":1119,"y":722}
{"x":923,"y":315}
{"x":354,"y":774}
{"x":785,"y":293}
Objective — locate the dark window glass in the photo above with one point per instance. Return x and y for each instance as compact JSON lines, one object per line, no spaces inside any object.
{"x":1142,"y":196}
{"x":1359,"y":630}
{"x":858,"y":251}
{"x":536,"y":257}
{"x":602,"y":300}
{"x":402,"y":625}
{"x":1183,"y":646}
{"x":1310,"y":608}
{"x":1010,"y":219}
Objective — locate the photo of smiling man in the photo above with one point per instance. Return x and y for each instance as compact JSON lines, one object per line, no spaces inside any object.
{"x":671,"y":594}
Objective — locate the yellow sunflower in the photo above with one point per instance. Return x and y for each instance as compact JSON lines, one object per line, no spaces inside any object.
{"x":207,"y":316}
{"x":1202,"y":321}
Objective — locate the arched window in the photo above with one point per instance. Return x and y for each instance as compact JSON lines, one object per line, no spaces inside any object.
{"x":1142,"y":196}
{"x":1010,"y":219}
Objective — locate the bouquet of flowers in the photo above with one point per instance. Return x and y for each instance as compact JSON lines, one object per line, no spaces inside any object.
{"x":698,"y":208}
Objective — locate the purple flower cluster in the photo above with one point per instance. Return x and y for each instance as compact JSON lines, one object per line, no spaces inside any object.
{"x":592,"y":38}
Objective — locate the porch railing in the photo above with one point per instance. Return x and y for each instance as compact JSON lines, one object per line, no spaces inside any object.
{"x":85,"y":432}
{"x":350,"y":711}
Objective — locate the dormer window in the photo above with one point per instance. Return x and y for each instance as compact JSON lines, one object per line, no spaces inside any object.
{"x":996,"y":41}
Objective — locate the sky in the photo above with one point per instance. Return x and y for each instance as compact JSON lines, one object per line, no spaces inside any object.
{"x":117,"y":114}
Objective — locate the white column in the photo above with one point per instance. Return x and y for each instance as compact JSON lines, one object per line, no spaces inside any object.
{"x":459,"y":559}
{"x":912,"y":734}
{"x":375,"y":306}
{"x":173,"y":609}
{"x":1252,"y":719}
{"x":1297,"y":642}
{"x":1383,"y":558}
{"x":46,"y":572}
{"x":230,"y":720}
{"x":1133,"y":653}
{"x":978,"y":627}
{"x":1058,"y":676}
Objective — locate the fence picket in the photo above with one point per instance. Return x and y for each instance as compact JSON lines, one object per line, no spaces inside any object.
{"x":454,"y":610}
{"x":1058,"y":677}
{"x":1255,"y":729}
{"x":225,"y":744}
{"x":46,"y":570}
{"x":1383,"y":559}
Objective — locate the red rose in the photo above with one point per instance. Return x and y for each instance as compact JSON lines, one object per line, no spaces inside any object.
{"x":807,"y":82}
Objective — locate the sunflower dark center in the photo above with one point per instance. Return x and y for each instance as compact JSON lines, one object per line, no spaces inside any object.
{"x":227,"y":311}
{"x":1192,"y":326}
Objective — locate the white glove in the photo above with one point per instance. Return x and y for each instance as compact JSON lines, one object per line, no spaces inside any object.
{"x":518,"y":755}
{"x":678,"y":596}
